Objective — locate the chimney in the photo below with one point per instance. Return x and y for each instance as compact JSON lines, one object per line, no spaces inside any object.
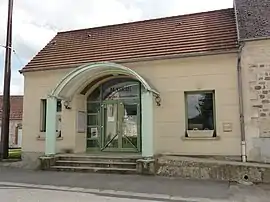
{"x":253,"y":18}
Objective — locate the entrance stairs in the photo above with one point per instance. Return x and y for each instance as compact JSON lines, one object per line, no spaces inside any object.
{"x":96,"y":163}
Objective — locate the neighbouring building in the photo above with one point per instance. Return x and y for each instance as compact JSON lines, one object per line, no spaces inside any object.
{"x":192,"y":85}
{"x":253,"y":24}
{"x":15,"y":125}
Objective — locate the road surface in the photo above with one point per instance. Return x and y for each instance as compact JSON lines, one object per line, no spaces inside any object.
{"x":15,"y":194}
{"x":18,"y":185}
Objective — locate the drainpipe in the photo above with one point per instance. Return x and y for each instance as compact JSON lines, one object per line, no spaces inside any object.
{"x":241,"y":104}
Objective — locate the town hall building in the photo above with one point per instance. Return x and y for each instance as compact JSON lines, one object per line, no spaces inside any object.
{"x":188,"y":85}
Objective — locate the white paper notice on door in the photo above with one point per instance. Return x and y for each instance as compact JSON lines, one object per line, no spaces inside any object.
{"x":94,"y":132}
{"x":110,"y":113}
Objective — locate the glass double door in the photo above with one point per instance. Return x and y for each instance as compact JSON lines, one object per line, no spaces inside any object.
{"x":114,"y":116}
{"x":120,"y":126}
{"x":115,"y":126}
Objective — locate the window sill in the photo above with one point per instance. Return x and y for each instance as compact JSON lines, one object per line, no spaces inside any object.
{"x":200,"y":133}
{"x":201,"y":138}
{"x":43,"y":138}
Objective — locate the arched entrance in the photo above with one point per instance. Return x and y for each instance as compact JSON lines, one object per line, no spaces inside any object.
{"x":114,"y":116}
{"x":116,"y":104}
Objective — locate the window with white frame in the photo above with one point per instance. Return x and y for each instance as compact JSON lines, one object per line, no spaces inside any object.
{"x":200,"y":113}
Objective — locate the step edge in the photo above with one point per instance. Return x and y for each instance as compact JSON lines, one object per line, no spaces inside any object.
{"x":96,"y":162}
{"x":100,"y":157}
{"x":92,"y":168}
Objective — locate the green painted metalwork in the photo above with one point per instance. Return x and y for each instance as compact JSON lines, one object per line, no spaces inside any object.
{"x":85,"y":74}
{"x":118,"y":141}
{"x":121,"y":137}
{"x":50,"y":144}
{"x":91,"y":72}
{"x":147,"y":124}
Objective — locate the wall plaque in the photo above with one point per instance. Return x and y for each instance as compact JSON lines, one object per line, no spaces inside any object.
{"x":227,"y":127}
{"x":81,"y":122}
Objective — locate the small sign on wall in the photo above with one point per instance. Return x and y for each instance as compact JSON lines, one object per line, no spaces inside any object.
{"x":81,"y":122}
{"x":227,"y":127}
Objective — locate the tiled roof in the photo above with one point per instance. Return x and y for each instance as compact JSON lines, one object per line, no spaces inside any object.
{"x":253,"y":18}
{"x":16,"y":107}
{"x":199,"y":32}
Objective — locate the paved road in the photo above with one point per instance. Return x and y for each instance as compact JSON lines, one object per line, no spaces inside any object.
{"x":14,"y":194}
{"x":130,"y":183}
{"x":138,"y":187}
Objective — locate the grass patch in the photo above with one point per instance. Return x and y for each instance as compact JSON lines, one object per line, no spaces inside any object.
{"x":14,"y":153}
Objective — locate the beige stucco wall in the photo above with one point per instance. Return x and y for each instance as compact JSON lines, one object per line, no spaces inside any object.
{"x":256,"y":84}
{"x":37,"y":85}
{"x":171,"y":78}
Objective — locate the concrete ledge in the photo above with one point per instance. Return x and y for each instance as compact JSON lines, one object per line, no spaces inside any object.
{"x":196,"y":168}
{"x":200,"y":138}
{"x":29,"y":160}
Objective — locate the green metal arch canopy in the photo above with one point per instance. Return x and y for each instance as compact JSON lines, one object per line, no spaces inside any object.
{"x":70,"y":84}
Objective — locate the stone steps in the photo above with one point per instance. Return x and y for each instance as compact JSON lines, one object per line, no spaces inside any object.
{"x":96,"y":164}
{"x":101,"y":164}
{"x":98,"y":158}
{"x":94,"y":169}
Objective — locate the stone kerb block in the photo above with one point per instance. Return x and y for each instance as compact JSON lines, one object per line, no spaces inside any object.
{"x":146,"y":166}
{"x":46,"y":162}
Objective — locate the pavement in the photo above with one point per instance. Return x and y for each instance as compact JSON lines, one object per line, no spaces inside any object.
{"x":33,"y":186}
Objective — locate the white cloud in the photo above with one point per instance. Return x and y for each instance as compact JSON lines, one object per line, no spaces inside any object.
{"x":194,"y":6}
{"x":35,"y":22}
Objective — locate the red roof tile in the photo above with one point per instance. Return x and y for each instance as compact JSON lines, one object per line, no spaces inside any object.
{"x":199,"y":32}
{"x":16,"y":107}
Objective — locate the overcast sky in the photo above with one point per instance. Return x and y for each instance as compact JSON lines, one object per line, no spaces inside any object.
{"x":35,"y":22}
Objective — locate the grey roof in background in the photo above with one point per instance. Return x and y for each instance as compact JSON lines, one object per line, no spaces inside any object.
{"x":253,"y":17}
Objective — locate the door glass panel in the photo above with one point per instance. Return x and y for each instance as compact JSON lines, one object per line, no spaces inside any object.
{"x":129,"y":142}
{"x":129,"y":125}
{"x":113,"y":116}
{"x":111,"y":136}
{"x":120,"y":90}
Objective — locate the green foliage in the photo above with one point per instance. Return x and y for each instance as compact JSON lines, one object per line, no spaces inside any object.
{"x":15,"y":153}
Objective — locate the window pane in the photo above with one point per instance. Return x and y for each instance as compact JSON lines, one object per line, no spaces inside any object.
{"x":95,"y":95}
{"x":92,"y":120}
{"x":59,"y":106}
{"x":43,"y":115}
{"x":93,"y":107}
{"x":120,"y":89}
{"x":200,"y":111}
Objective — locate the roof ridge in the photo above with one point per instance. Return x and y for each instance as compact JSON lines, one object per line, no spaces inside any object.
{"x":142,"y":21}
